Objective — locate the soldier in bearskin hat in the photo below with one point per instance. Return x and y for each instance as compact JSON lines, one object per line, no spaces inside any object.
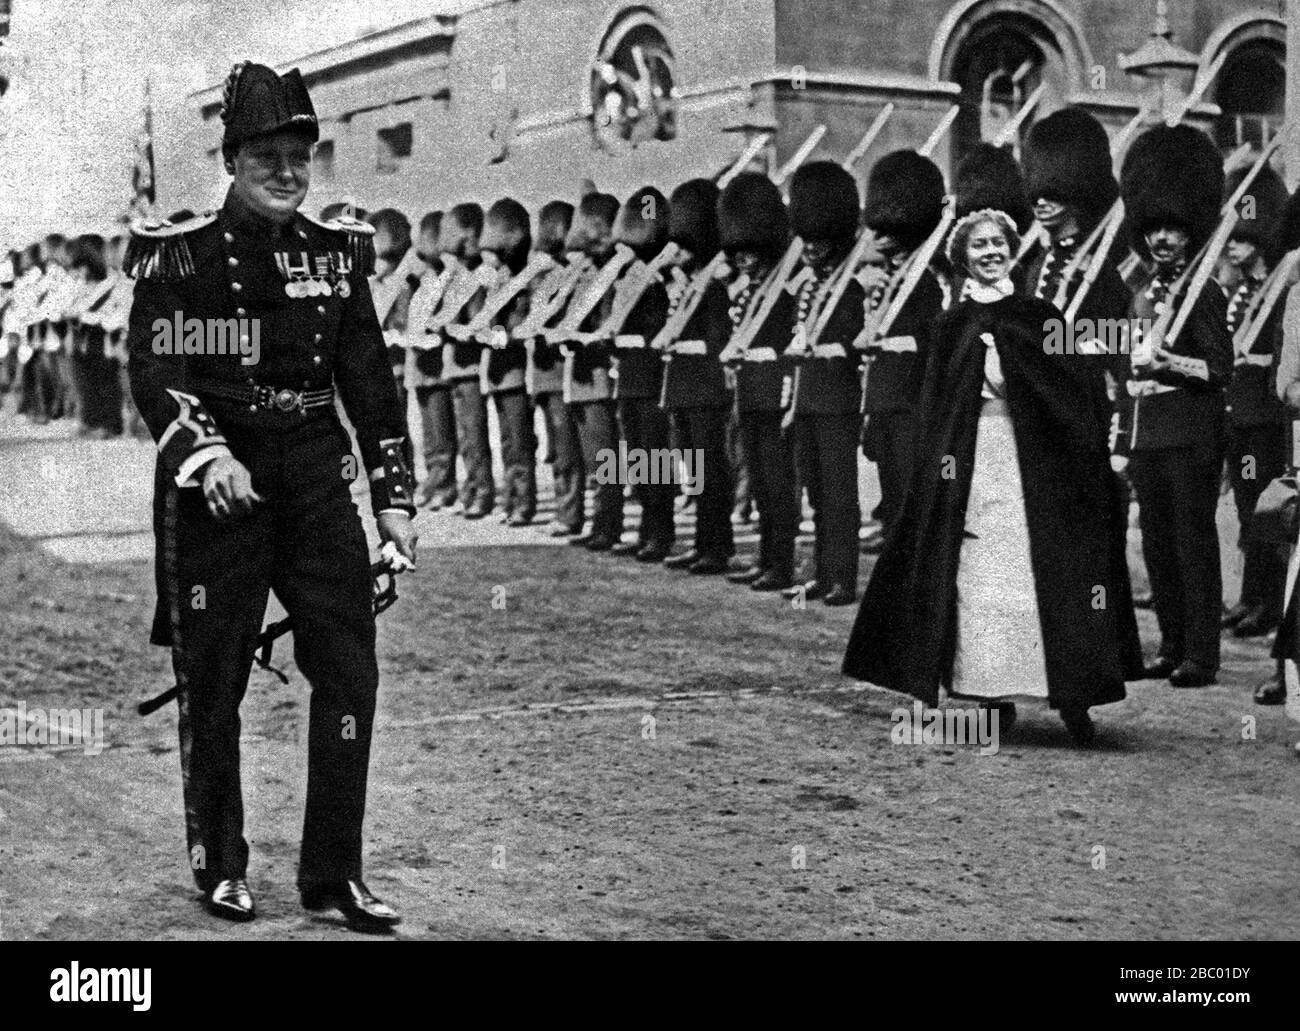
{"x":1256,"y":430}
{"x":248,"y":496}
{"x":1171,"y":427}
{"x":507,"y":240}
{"x":643,"y":226}
{"x":695,"y":393}
{"x":588,"y":387}
{"x":1069,"y":182}
{"x":826,"y":403}
{"x":544,"y":375}
{"x":754,"y":229}
{"x":461,"y":354}
{"x":905,"y":197}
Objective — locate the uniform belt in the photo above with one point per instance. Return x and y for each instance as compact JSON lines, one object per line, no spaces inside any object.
{"x":279,"y":399}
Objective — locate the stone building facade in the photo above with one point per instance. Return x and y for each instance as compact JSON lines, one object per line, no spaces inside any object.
{"x":531,"y":97}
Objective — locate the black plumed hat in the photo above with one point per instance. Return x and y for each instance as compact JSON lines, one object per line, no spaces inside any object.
{"x":904,"y":196}
{"x":824,"y":203}
{"x":693,"y":220}
{"x":1067,"y":160}
{"x":1172,"y":175}
{"x":990,"y":177}
{"x":255,"y":101}
{"x":1259,"y":210}
{"x":752,"y":216}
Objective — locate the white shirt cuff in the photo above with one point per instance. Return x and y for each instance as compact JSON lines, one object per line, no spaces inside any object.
{"x":187,"y":475}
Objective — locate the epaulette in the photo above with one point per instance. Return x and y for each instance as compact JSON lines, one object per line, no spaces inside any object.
{"x":159,"y":250}
{"x":361,"y":239}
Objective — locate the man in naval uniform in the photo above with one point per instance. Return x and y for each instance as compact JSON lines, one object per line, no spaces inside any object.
{"x":252,"y":485}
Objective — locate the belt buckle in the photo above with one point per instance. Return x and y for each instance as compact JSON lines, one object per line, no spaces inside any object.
{"x":287,"y":400}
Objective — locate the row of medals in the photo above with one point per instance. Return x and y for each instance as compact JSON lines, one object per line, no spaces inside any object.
{"x":315,"y":275}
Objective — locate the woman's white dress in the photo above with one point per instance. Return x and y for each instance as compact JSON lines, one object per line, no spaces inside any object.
{"x":999,"y":648}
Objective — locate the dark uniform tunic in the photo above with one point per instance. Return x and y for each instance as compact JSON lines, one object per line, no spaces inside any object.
{"x":432,"y":392}
{"x":460,"y":370}
{"x":501,"y":377}
{"x":544,"y":379}
{"x":304,"y":541}
{"x":1256,"y":448}
{"x":696,"y":398}
{"x":589,"y":396}
{"x":638,"y":385}
{"x":1172,"y":427}
{"x":827,"y":425}
{"x":764,"y":378}
{"x":893,"y":383}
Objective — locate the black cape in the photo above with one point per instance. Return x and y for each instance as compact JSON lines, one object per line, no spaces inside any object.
{"x":905,"y":632}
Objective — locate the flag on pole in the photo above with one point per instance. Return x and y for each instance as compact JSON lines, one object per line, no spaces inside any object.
{"x":142,"y":182}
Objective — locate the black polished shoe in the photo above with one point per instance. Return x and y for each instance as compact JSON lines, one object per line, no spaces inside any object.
{"x":1257,"y":624}
{"x":708,"y":565}
{"x":231,"y":900}
{"x":580,"y":540}
{"x":683,"y":561}
{"x":810,"y":591}
{"x":601,"y":542}
{"x":627,"y":547}
{"x":1271,"y":692}
{"x":772,"y":581}
{"x":520,"y":519}
{"x":655,"y":551}
{"x":478,"y":509}
{"x":1236,"y":614}
{"x":1006,"y":715}
{"x":362,"y":910}
{"x":839,"y":595}
{"x":1191,"y":674}
{"x":746,"y":576}
{"x":1159,"y":670}
{"x":1079,"y":724}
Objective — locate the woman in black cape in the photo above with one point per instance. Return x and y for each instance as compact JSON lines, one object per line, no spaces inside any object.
{"x":1006,"y":574}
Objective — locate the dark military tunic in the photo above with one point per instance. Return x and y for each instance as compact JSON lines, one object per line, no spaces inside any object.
{"x":1172,"y":425}
{"x":828,"y":422}
{"x":696,"y":398}
{"x":305,"y":284}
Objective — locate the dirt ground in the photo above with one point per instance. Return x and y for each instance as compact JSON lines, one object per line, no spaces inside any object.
{"x":624,"y":752}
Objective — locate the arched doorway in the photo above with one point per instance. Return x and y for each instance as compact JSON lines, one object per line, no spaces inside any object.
{"x":1251,"y":93}
{"x":999,"y":52}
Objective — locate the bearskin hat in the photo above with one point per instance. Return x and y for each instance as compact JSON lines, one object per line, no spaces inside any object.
{"x":904,"y":196}
{"x":643,"y":222}
{"x":693,"y":218}
{"x":1264,"y":201}
{"x":507,"y":218}
{"x":752,"y":217}
{"x":1172,"y":175}
{"x":824,"y":203}
{"x":989,"y":177}
{"x":553,"y":224}
{"x":1067,"y":160}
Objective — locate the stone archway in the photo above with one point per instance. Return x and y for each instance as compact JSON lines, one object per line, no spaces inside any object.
{"x":1251,"y":88}
{"x":1000,"y":51}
